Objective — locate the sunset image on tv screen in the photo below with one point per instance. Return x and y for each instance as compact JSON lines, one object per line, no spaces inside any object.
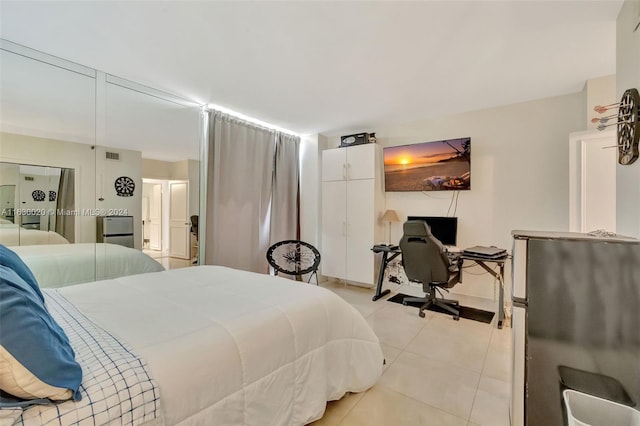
{"x":428,"y":166}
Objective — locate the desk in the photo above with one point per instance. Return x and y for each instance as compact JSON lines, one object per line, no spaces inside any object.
{"x":386,"y":259}
{"x":482,"y":262}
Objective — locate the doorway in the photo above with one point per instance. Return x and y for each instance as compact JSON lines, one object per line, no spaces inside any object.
{"x":166,"y":225}
{"x":152,"y":215}
{"x":592,"y":181}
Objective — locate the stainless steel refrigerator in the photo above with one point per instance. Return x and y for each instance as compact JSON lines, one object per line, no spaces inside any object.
{"x":115,"y":230}
{"x":576,"y":322}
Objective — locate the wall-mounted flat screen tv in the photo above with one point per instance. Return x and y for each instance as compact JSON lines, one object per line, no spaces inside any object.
{"x":428,"y":166}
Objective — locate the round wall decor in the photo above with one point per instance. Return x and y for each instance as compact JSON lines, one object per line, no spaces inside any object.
{"x":52,"y":195}
{"x":124,"y":186}
{"x":38,"y":195}
{"x":628,"y":127}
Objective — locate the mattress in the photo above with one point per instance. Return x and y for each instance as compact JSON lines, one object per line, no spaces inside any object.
{"x":67,"y":264}
{"x":229,"y":347}
{"x":13,"y":235}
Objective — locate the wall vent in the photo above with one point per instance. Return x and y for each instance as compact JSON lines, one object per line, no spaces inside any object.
{"x":29,"y":178}
{"x":113,"y":155}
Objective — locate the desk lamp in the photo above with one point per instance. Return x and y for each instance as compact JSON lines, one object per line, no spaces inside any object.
{"x":390,"y":216}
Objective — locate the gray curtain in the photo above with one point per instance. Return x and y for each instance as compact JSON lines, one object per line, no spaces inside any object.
{"x":285,"y":205}
{"x":65,"y":224}
{"x":240,"y":163}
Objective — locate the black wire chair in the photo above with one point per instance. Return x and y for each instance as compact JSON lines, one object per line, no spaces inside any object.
{"x":294,"y":257}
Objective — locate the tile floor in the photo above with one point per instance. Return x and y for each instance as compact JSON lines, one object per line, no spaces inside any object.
{"x":166,"y":261}
{"x":439,"y":372}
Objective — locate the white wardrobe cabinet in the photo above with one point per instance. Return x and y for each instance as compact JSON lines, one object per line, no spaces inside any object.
{"x":352,"y":203}
{"x":356,"y":162}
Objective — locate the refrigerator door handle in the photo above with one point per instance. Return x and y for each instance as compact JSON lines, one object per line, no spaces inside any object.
{"x":518,"y":302}
{"x":519,"y":269}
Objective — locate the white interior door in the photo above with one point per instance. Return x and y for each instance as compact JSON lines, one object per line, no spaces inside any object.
{"x":179,"y":241}
{"x":593,"y":181}
{"x":155,"y":217}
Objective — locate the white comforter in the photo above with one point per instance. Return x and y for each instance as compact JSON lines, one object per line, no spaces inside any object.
{"x":229,"y":347}
{"x":67,"y":264}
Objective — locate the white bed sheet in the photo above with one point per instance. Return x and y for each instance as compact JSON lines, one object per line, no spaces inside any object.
{"x":116,"y":386}
{"x":229,"y":347}
{"x":13,"y":235}
{"x":67,"y":264}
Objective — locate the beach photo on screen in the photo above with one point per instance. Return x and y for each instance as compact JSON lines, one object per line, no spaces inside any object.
{"x":428,"y":166}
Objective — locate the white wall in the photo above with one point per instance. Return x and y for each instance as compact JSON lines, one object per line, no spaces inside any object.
{"x":519,"y":169}
{"x":599,"y":91}
{"x":188,"y":170}
{"x":628,"y":76}
{"x":310,"y":190}
{"x":156,"y":169}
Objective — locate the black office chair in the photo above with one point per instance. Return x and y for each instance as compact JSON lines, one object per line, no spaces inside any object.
{"x":194,"y":231}
{"x":426,"y":261}
{"x":294,"y":257}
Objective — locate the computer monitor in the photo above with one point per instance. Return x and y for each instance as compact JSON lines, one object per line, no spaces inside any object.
{"x":444,"y":229}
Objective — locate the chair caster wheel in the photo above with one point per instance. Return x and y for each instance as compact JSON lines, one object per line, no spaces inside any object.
{"x":456,"y":318}
{"x":421,"y":314}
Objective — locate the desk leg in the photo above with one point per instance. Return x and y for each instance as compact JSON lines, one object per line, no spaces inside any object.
{"x":383,"y":266}
{"x":501,"y":297}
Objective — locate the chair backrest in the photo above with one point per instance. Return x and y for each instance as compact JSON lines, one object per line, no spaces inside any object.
{"x":293,"y":257}
{"x":423,"y":255}
{"x":194,"y":225}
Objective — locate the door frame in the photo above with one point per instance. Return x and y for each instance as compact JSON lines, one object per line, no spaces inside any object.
{"x":577,"y":174}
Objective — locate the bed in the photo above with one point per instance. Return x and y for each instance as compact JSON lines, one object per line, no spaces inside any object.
{"x":14,"y":235}
{"x":66,"y":264}
{"x":218,"y":346}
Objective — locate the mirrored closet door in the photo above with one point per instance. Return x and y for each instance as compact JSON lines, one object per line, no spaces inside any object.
{"x":47,"y":159}
{"x":97,"y":163}
{"x":150,"y":167}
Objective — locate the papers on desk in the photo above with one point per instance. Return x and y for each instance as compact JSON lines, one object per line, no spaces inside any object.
{"x":483,"y":252}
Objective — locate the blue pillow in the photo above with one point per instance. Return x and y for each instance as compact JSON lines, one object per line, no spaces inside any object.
{"x":10,"y":259}
{"x":36,"y":358}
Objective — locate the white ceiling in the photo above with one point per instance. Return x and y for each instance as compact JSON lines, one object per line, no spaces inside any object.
{"x":329,"y":67}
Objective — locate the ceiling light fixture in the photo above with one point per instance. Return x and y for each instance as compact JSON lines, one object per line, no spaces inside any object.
{"x":251,"y":119}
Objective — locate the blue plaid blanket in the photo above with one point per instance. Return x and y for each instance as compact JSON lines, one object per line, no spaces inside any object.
{"x":116,"y":387}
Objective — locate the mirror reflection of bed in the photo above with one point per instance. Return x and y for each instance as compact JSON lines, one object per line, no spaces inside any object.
{"x":42,"y":230}
{"x":62,"y":265}
{"x":34,"y":199}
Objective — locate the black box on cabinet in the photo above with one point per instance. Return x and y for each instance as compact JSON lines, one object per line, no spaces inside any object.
{"x":357,"y":139}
